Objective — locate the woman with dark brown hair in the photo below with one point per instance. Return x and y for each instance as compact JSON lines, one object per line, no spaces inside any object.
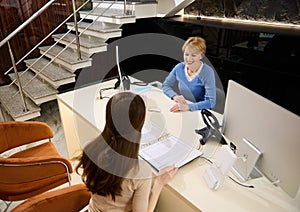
{"x":112,"y":171}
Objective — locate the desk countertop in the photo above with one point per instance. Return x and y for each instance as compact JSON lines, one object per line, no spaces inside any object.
{"x":188,"y":185}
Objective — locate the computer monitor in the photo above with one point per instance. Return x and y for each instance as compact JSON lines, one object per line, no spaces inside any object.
{"x":271,"y":128}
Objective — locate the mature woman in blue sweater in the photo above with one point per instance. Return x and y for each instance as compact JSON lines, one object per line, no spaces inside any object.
{"x":195,"y":79}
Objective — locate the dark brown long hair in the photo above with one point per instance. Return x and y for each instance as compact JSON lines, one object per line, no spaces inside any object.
{"x":107,"y":159}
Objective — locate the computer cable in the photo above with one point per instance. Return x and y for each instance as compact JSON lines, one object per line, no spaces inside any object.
{"x":209,"y":160}
{"x":104,"y":89}
{"x":241,"y":184}
{"x":139,"y":83}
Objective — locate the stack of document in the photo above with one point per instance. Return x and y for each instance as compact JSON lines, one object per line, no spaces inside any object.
{"x":161,"y":149}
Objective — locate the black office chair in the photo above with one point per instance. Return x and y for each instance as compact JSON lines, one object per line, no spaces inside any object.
{"x":220,"y":101}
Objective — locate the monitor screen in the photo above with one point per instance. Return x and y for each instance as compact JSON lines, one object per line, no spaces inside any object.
{"x":274,"y":130}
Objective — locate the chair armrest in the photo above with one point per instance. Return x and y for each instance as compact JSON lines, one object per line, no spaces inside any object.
{"x":71,"y":199}
{"x":32,"y":168}
{"x":14,"y":134}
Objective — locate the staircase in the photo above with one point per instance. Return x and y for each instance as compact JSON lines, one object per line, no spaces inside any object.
{"x":57,"y":63}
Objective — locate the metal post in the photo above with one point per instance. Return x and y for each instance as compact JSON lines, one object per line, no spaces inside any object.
{"x":124,"y":7}
{"x":17,"y":76}
{"x":2,"y":116}
{"x":76,"y":30}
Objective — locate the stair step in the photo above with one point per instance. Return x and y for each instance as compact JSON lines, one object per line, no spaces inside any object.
{"x":121,"y":2}
{"x":67,"y":57}
{"x":35,"y":89}
{"x":111,"y":15}
{"x":13,"y":104}
{"x":88,"y":44}
{"x":139,"y":8}
{"x":97,"y":29}
{"x":112,"y":8}
{"x":53,"y":73}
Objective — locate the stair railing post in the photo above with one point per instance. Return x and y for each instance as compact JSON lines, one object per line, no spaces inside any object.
{"x":17,"y":77}
{"x":2,"y":116}
{"x":124,"y":7}
{"x":76,"y":30}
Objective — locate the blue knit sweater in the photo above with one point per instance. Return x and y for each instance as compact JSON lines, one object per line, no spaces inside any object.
{"x":201,"y":91}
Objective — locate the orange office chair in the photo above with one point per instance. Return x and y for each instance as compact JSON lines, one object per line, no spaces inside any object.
{"x":69,"y":199}
{"x":33,"y":170}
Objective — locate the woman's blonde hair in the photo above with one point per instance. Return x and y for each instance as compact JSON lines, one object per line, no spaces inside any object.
{"x":196,"y":44}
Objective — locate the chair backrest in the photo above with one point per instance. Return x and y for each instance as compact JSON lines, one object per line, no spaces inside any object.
{"x":68,"y":199}
{"x":13,"y":134}
{"x":33,"y":169}
{"x":220,"y":101}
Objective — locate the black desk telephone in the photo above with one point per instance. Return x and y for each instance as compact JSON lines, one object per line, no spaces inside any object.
{"x":126,"y":82}
{"x":212,"y":128}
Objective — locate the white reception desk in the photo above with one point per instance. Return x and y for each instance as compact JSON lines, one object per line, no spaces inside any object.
{"x":83,"y":117}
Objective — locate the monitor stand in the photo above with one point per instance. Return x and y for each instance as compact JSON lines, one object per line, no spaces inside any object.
{"x":247,"y":156}
{"x":253,"y":174}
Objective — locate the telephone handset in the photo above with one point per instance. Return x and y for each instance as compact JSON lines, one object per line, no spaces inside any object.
{"x":126,"y":82}
{"x":212,"y":128}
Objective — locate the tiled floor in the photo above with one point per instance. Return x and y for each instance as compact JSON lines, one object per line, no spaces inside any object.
{"x":50,"y":115}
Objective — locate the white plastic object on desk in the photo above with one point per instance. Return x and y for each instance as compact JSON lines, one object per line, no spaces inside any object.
{"x":154,"y":109}
{"x":223,"y":163}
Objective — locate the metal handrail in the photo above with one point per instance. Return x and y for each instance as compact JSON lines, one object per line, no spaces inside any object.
{"x":14,"y":63}
{"x":45,"y":39}
{"x":28,"y":21}
{"x":64,"y":35}
{"x":60,"y":40}
{"x":28,"y":68}
{"x":35,"y":15}
{"x":11,"y":35}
